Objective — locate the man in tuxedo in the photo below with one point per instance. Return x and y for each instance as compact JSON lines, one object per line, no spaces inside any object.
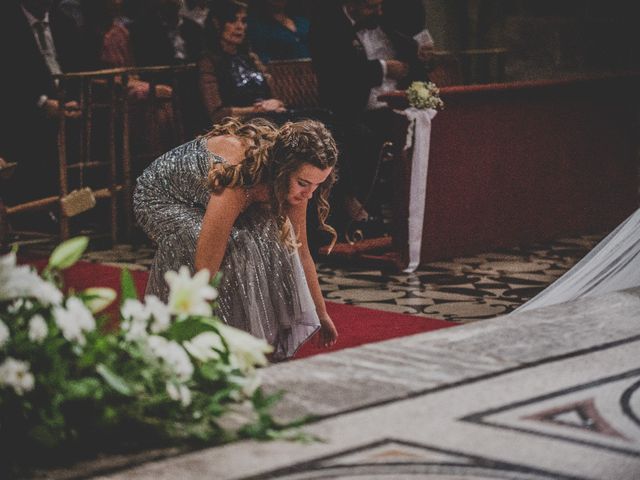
{"x":34,"y":46}
{"x":358,"y":57}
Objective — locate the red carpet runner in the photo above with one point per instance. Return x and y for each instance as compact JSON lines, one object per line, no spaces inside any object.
{"x":356,"y":325}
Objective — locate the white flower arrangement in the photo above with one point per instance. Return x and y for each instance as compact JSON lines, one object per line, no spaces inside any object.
{"x":424,"y":95}
{"x":172,"y":369}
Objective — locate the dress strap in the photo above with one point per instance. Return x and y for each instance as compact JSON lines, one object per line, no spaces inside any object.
{"x":213,"y":157}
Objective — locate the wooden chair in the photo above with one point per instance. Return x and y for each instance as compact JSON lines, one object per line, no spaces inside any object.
{"x":445,"y":70}
{"x":295,"y":82}
{"x":6,"y":171}
{"x":106,"y":112}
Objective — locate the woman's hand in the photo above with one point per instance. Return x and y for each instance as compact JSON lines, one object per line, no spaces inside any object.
{"x":270,"y":105}
{"x":71,"y":109}
{"x":328,"y":333}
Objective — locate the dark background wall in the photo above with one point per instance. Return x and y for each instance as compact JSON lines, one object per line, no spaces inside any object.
{"x":544,"y":38}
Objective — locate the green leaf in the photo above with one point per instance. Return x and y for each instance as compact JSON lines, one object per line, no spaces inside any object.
{"x":68,"y":253}
{"x":216,"y":405}
{"x":84,"y":388}
{"x":46,"y":436}
{"x":262,"y":401}
{"x":188,"y":328}
{"x":114,"y":380}
{"x":210,"y":371}
{"x":127,"y":286}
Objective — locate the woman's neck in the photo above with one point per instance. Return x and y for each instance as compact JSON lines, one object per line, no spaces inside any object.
{"x":229,"y":48}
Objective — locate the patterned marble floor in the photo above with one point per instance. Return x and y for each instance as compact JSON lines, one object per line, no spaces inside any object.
{"x":462,"y":289}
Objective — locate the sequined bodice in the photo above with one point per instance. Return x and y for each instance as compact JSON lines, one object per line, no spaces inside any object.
{"x":247,"y":83}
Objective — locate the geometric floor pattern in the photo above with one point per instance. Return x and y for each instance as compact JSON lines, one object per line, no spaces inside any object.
{"x":567,"y":412}
{"x":461,"y":289}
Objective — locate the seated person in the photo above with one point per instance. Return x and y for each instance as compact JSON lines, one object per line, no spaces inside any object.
{"x":35,"y":46}
{"x":276,"y":34}
{"x":161,"y":36}
{"x":357,"y":56}
{"x":232,"y":80}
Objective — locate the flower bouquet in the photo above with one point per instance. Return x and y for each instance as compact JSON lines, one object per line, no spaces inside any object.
{"x":168,"y":372}
{"x":423,"y":95}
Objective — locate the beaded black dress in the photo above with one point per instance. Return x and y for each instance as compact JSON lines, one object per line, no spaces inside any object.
{"x":263,"y":289}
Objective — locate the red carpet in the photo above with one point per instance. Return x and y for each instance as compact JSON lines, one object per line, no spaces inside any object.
{"x":356,"y":325}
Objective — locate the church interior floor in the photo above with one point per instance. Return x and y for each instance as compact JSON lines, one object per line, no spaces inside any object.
{"x":460,"y":289}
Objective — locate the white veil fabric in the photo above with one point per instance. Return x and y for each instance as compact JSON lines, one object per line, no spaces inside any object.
{"x":613,"y":264}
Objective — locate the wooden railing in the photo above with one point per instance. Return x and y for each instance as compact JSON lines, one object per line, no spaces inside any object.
{"x":106,"y":116}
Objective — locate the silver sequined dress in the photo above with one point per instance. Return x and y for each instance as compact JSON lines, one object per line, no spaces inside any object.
{"x":263,"y":289}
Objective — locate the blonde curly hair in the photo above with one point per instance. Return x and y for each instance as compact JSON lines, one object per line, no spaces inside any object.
{"x":272,"y":155}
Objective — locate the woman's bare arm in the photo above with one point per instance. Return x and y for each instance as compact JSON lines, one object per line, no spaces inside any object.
{"x":222,"y":211}
{"x":298,"y":216}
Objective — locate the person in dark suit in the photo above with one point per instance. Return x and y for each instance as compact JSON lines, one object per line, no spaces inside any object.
{"x":357,"y":57}
{"x":406,"y":16}
{"x":34,"y":46}
{"x":160,"y":36}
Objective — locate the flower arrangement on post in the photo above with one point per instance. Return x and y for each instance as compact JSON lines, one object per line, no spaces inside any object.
{"x":423,"y":95}
{"x":168,"y":372}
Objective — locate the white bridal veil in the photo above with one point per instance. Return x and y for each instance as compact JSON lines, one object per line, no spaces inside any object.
{"x":613,"y":264}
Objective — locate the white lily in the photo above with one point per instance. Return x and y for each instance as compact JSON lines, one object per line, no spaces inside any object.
{"x":135,"y":320}
{"x":246,"y":350}
{"x":190,"y":295}
{"x":179,"y":393}
{"x":4,"y":334}
{"x":172,"y":355}
{"x":74,"y":320}
{"x":204,"y":345}
{"x":16,"y":374}
{"x":38,"y":329}
{"x":21,"y":281}
{"x":159,"y":311}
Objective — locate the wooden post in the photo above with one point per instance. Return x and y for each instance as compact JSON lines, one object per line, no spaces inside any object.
{"x":62,"y":158}
{"x":126,"y":159}
{"x":113,"y":200}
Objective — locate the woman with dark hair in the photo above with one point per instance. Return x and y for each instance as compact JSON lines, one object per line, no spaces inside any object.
{"x":235,"y":201}
{"x":233,"y":81}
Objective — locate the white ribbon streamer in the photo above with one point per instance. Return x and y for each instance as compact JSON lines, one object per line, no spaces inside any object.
{"x":418,"y":137}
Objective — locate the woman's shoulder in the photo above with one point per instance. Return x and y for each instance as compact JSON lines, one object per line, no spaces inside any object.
{"x":192,"y":151}
{"x":183,"y":160}
{"x":227,"y":148}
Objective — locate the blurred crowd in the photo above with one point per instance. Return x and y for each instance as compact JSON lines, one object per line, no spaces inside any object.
{"x":359,"y":49}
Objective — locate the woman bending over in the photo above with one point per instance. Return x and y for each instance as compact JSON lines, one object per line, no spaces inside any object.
{"x":235,"y":201}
